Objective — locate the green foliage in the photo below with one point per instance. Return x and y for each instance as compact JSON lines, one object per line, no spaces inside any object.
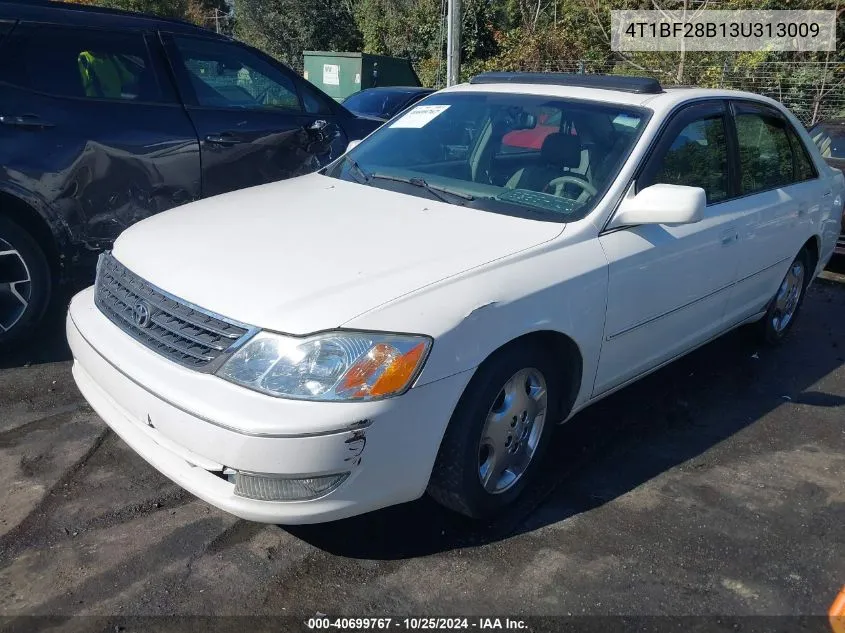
{"x":164,"y":8}
{"x":285,"y":28}
{"x":197,"y":11}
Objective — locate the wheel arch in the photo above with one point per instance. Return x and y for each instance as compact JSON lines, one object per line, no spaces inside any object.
{"x":563,"y":347}
{"x":813,"y":247}
{"x":27,"y":216}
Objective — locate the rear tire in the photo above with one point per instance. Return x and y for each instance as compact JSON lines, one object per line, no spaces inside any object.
{"x":785,"y":305}
{"x":25,"y":284}
{"x":498,"y":432}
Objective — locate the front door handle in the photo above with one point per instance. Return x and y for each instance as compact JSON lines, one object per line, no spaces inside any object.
{"x":223,"y":138}
{"x":729,"y":237}
{"x":29,"y":121}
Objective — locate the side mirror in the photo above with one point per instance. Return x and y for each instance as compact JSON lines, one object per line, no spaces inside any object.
{"x":661,"y":204}
{"x":352,"y":144}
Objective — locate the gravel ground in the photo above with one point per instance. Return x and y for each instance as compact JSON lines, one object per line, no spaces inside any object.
{"x":713,"y":487}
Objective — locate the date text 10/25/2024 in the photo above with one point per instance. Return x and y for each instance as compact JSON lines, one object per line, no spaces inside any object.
{"x":414,"y":623}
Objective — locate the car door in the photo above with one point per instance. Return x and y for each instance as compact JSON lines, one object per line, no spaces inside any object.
{"x":91,"y":126}
{"x":668,"y":285}
{"x":255,"y":120}
{"x":780,"y":190}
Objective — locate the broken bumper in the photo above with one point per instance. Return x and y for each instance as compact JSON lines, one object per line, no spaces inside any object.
{"x":193,"y":426}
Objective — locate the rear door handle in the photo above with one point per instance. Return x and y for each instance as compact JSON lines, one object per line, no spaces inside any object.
{"x":29,"y":121}
{"x":223,"y":138}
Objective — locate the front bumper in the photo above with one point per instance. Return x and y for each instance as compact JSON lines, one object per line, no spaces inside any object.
{"x":191,"y":426}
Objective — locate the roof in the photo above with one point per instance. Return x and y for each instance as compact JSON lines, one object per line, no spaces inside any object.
{"x":87,"y":15}
{"x":664,"y":101}
{"x":621,"y":83}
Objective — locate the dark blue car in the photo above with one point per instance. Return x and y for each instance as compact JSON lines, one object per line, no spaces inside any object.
{"x":385,"y":102}
{"x":107,"y":117}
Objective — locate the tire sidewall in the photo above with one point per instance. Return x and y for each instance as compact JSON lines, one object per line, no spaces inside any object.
{"x":471,"y":415}
{"x":41,"y":282}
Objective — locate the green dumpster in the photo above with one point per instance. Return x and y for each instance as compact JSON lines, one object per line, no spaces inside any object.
{"x":341,"y":74}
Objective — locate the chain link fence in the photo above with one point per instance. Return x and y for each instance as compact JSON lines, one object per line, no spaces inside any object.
{"x":813,"y":91}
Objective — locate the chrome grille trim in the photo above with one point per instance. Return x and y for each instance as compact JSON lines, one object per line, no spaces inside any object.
{"x":177,"y":330}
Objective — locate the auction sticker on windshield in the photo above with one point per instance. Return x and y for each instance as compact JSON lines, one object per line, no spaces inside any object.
{"x":420,"y":116}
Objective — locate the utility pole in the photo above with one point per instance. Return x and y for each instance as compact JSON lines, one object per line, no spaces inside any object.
{"x":453,"y":43}
{"x":217,"y":18}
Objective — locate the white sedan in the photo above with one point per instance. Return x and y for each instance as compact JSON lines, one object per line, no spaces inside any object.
{"x":420,"y":314}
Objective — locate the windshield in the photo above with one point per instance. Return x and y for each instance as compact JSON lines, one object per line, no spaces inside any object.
{"x":379,"y":103}
{"x":830,"y":141}
{"x":519,"y":154}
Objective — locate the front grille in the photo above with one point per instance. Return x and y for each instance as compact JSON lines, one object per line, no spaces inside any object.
{"x":165,"y":324}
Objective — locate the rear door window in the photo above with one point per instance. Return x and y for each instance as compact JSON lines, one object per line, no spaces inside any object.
{"x":765,"y":153}
{"x":804,"y":168}
{"x":82,"y":63}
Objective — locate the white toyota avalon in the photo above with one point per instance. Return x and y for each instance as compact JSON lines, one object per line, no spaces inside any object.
{"x":420,"y":314}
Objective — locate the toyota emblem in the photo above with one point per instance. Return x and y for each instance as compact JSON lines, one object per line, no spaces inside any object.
{"x":141,"y":314}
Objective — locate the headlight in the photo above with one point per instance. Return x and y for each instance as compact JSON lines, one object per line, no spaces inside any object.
{"x":330,"y":366}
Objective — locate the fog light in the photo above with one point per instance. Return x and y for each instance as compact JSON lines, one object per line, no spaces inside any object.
{"x":267,"y":488}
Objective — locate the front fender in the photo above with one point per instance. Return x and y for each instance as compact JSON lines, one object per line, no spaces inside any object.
{"x":562,"y":288}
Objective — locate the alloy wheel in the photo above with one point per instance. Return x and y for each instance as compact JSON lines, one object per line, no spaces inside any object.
{"x":788,"y":296}
{"x":15,"y":286}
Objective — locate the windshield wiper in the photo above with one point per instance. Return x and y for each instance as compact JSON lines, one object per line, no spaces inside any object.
{"x":437,"y":192}
{"x":362,"y":174}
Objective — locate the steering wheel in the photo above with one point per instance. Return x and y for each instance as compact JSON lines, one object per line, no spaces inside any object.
{"x":557,"y":184}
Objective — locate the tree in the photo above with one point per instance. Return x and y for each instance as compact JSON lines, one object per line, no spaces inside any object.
{"x":285,"y":28}
{"x":197,"y":11}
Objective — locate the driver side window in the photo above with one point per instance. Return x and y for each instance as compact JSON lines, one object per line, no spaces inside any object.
{"x":224,"y":75}
{"x":696,"y":157}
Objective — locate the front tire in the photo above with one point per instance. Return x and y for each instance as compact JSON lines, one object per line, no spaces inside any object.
{"x":498,"y":432}
{"x":25,"y":284}
{"x":785,"y":305}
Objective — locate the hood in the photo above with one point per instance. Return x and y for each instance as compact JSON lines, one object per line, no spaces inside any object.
{"x":311,"y":253}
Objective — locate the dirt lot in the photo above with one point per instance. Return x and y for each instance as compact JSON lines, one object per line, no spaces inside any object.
{"x":716,"y":486}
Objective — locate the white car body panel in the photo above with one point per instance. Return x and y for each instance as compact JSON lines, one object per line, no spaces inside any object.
{"x":317,"y":253}
{"x":667,"y":283}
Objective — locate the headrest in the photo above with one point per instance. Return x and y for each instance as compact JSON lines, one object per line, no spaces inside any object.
{"x":561,"y":149}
